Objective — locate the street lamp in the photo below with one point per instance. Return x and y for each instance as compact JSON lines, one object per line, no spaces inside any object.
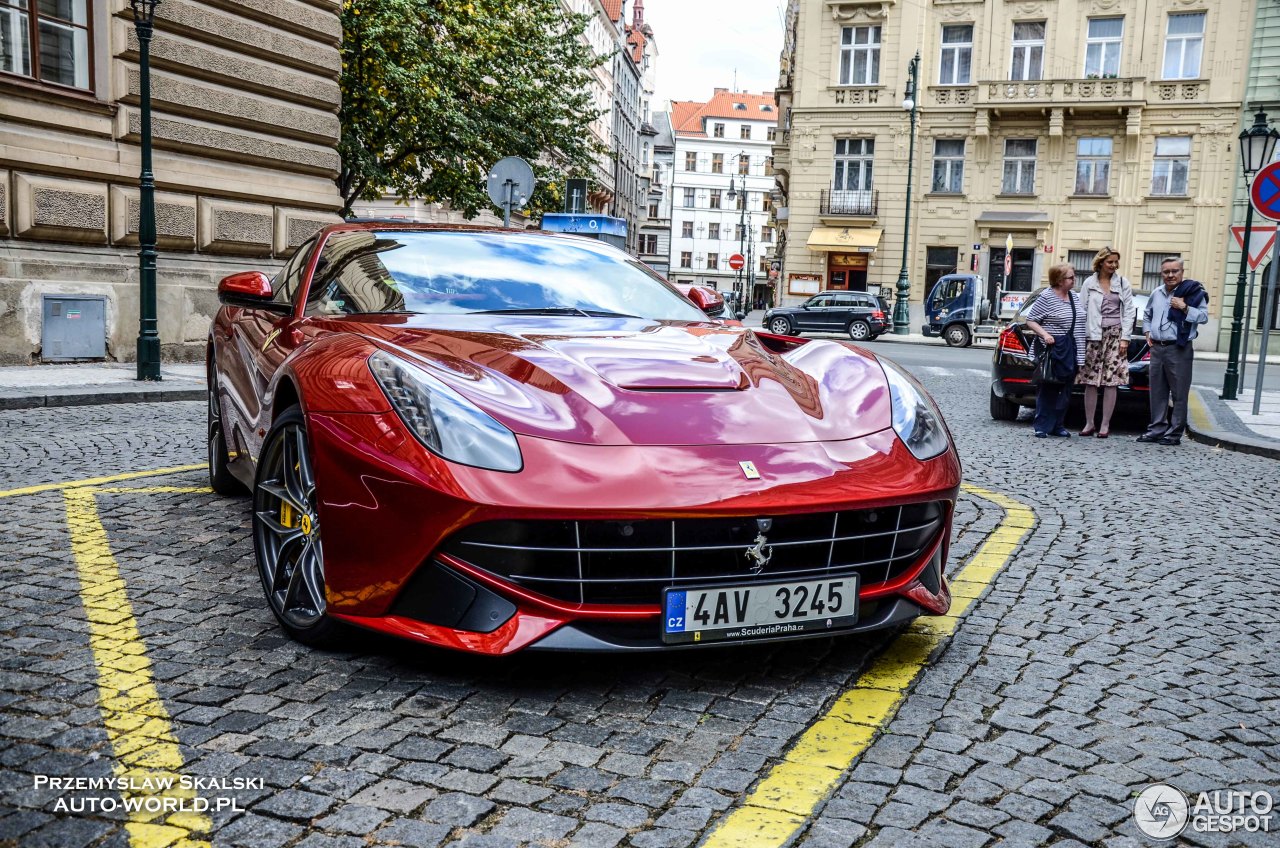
{"x":742,"y":231}
{"x":902,"y":309}
{"x":1257,"y":146}
{"x":144,"y":14}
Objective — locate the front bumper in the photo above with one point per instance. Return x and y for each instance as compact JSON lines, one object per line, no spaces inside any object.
{"x":387,"y":507}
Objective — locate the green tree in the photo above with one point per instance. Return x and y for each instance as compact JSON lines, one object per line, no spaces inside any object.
{"x":435,"y":91}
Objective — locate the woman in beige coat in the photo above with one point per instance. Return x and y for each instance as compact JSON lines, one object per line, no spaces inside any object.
{"x":1109,"y":317}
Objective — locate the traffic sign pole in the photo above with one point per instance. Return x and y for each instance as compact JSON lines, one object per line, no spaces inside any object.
{"x":1264,"y":196}
{"x":1268,"y":315}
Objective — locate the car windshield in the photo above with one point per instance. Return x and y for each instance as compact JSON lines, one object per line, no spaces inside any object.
{"x":452,"y":272}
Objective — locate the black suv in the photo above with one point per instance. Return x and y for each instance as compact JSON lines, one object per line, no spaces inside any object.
{"x":863,"y":316}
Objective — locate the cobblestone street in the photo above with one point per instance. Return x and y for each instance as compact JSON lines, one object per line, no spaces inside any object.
{"x":1129,"y":641}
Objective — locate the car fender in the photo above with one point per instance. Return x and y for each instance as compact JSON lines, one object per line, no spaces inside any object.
{"x":330,"y":373}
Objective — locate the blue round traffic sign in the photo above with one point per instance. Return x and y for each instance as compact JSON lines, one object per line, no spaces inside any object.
{"x":1265,"y":192}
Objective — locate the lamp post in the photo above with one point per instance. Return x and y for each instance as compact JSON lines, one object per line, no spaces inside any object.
{"x":742,"y":230}
{"x":144,"y":14}
{"x":902,"y":309}
{"x":1257,"y":146}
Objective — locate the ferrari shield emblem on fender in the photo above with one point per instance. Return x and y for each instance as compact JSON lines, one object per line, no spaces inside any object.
{"x":749,"y":470}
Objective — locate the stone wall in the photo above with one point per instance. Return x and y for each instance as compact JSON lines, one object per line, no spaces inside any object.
{"x":244,"y":124}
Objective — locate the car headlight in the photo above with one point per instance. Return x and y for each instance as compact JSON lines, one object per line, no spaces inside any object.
{"x":448,"y":424}
{"x":915,"y":419}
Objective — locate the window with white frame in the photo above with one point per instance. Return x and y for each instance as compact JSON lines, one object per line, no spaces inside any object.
{"x":50,"y":43}
{"x":715,"y":199}
{"x":742,"y":200}
{"x":744,"y":165}
{"x":688,"y":198}
{"x":686,"y":259}
{"x":771,"y":133}
{"x":745,"y":131}
{"x":1184,"y":46}
{"x":1019,"y":166}
{"x":717,"y":163}
{"x":718,"y":131}
{"x":860,"y":55}
{"x":1028,"y":51}
{"x":1172,"y":166}
{"x":686,"y":229}
{"x":766,"y":234}
{"x":713,"y":232}
{"x":956,"y":65}
{"x":713,"y":261}
{"x":1093,"y":166}
{"x":691,"y":161}
{"x":1102,"y":47}
{"x":948,"y":165}
{"x":739,"y":233}
{"x":853,"y":161}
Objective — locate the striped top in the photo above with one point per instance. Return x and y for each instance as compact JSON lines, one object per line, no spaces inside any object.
{"x":1054,"y":315}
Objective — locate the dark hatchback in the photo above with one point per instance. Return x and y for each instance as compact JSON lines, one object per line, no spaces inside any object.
{"x":1014,"y":360}
{"x":863,"y":316}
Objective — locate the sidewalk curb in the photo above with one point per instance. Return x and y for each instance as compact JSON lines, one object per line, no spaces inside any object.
{"x":101,"y":395}
{"x":1204,"y":427}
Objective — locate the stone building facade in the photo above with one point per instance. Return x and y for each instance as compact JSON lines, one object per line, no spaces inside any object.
{"x":244,"y":124}
{"x":1059,"y":125}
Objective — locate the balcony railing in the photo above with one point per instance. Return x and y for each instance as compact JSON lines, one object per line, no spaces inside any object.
{"x":1059,"y":91}
{"x":861,"y":203}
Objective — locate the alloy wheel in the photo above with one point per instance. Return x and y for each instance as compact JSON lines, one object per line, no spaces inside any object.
{"x":287,"y":528}
{"x":781,"y":326}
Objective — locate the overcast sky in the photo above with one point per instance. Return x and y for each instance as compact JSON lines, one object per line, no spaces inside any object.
{"x":701,"y":42}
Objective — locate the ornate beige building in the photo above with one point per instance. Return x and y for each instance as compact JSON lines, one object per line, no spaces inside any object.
{"x":244,"y":97}
{"x":1059,"y":125}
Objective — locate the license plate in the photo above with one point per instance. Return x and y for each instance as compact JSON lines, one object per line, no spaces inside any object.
{"x":760,"y":610}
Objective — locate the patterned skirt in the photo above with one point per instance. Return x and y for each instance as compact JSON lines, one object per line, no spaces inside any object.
{"x":1104,"y":364}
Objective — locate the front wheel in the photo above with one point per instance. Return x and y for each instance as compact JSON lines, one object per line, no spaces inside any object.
{"x":286,"y":533}
{"x":860,"y":331}
{"x":781,"y":326}
{"x":957,"y":335}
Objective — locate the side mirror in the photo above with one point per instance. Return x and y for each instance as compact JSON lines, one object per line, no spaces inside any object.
{"x":708,"y":300}
{"x":249,"y":289}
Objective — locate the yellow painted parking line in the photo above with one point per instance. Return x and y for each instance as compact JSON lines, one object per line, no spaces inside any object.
{"x":161,"y":812}
{"x":784,"y":801}
{"x":98,"y":481}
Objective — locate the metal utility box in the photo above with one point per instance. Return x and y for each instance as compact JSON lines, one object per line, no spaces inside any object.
{"x":74,"y":327}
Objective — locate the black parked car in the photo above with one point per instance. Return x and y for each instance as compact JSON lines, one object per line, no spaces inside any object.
{"x":863,"y":316}
{"x":1014,"y":360}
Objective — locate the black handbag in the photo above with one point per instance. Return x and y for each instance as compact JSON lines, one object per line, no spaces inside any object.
{"x":1056,"y":363}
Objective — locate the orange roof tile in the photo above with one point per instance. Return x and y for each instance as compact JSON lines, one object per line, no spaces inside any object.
{"x":613,"y":8}
{"x":688,"y":116}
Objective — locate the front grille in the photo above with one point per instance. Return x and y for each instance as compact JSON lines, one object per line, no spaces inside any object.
{"x":631,"y":562}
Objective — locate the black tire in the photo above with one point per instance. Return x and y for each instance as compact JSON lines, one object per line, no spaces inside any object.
{"x":290,"y":555}
{"x":957,"y":335}
{"x":781,"y":326}
{"x":1003,"y":409}
{"x":860,"y":331}
{"x":221,"y":480}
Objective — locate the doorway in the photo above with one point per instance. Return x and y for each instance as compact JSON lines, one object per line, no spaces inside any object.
{"x":1020,"y":280}
{"x":847,"y":271}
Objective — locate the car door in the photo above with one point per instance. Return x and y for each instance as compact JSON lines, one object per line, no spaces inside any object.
{"x":259,"y":342}
{"x":837,"y":317}
{"x":813,"y":315}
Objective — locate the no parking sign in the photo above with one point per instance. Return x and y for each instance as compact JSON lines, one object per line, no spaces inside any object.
{"x":1265,"y":192}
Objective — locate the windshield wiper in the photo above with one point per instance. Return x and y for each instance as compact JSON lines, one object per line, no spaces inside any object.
{"x":554,"y":310}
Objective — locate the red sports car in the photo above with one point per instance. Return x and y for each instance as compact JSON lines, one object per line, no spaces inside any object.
{"x":492,"y":440}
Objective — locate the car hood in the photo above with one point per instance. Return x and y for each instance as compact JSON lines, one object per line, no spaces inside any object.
{"x":616,"y":381}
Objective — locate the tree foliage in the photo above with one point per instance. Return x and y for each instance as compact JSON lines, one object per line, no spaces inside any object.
{"x":435,"y":91}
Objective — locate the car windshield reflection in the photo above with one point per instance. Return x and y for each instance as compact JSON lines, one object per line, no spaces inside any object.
{"x":449,"y":272}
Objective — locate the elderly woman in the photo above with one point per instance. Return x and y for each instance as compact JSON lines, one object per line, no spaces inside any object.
{"x":1109,"y":315}
{"x":1057,"y":319}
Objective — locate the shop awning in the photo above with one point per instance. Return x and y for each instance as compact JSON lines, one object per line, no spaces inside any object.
{"x":852,"y":239}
